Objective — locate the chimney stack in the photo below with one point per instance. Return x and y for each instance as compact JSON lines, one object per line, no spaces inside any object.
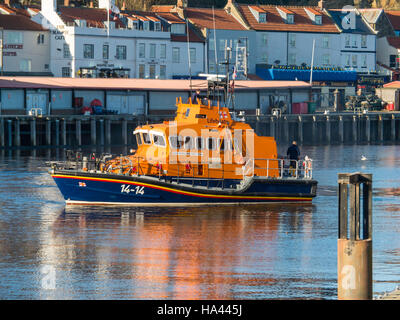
{"x":7,"y":3}
{"x":91,"y":5}
{"x":321,"y":4}
{"x":181,"y":4}
{"x":123,"y":6}
{"x":66,"y":3}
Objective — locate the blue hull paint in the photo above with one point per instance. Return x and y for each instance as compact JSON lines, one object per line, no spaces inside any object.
{"x":116,"y":189}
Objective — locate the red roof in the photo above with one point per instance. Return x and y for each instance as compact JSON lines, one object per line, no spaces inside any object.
{"x":257,"y":8}
{"x":170,"y":17}
{"x":394,"y":42}
{"x":135,"y":84}
{"x":394,"y":18}
{"x":302,"y":22}
{"x":285,"y":10}
{"x":94,"y":17}
{"x":19,"y":22}
{"x":394,"y":84}
{"x":204,"y":18}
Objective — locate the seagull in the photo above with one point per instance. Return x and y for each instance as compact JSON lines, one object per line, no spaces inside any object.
{"x":363,"y":158}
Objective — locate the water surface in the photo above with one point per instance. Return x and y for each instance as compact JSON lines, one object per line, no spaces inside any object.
{"x":48,"y":251}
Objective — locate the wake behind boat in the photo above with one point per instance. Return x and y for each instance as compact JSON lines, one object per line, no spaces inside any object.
{"x":203,"y":157}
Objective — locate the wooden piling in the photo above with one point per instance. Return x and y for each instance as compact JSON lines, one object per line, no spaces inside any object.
{"x":2,"y":135}
{"x":102,"y":132}
{"x":64,"y":132}
{"x":10,"y":132}
{"x":355,"y":129}
{"x":78,"y":132}
{"x":125,"y":132}
{"x":328,"y":129}
{"x":314,"y":130}
{"x":300,"y":129}
{"x":57,"y":133}
{"x":341,"y":129}
{"x":108,"y":132}
{"x":17,"y":133}
{"x":380,"y":128}
{"x":285,"y":129}
{"x":368,"y":129}
{"x":33,"y":132}
{"x":93,"y":131}
{"x":393,"y":128}
{"x":48,"y":132}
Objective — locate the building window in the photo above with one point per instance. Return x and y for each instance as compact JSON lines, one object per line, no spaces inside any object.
{"x":66,"y":72}
{"x":25,"y":65}
{"x":292,"y":40}
{"x":175,"y":55}
{"x":163,"y":71}
{"x":290,"y":18}
{"x":262,"y":17}
{"x":193,"y":55}
{"x":364,"y":61}
{"x":292,"y":59}
{"x":318,"y":19}
{"x":221,"y":44}
{"x":152,"y":51}
{"x":88,"y":51}
{"x":40,"y":38}
{"x":363,"y":41}
{"x":326,"y":59}
{"x":347,"y":41}
{"x":13,"y":37}
{"x":163,"y":51}
{"x":211,"y":67}
{"x":264,"y":39}
{"x":211,"y":44}
{"x":141,"y":71}
{"x":157,"y":26}
{"x":66,"y":52}
{"x":325,"y":42}
{"x":354,"y":58}
{"x":347,"y":62}
{"x":146,"y":25}
{"x":152,"y":71}
{"x":105,"y":51}
{"x":355,"y":42}
{"x":121,"y":53}
{"x":142,"y":50}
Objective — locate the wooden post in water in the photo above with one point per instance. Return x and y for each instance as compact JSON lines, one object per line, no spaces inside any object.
{"x":328,"y":130}
{"x":272,"y":130}
{"x":341,"y":129}
{"x":78,"y":132}
{"x":64,"y":132}
{"x":48,"y":132}
{"x":2,"y":133}
{"x":57,"y":129}
{"x":393,"y":128}
{"x":368,"y":129}
{"x":108,"y":132}
{"x":355,"y":244}
{"x":380,"y":128}
{"x":93,"y":131}
{"x":314,"y":130}
{"x":125,"y":132}
{"x":102,"y":132}
{"x":17,"y":132}
{"x":10,"y":132}
{"x":355,"y":129}
{"x":300,"y":129}
{"x":285,"y":129}
{"x":33,"y":132}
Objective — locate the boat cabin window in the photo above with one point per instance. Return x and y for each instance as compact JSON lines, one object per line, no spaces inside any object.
{"x":146,"y":138}
{"x":176,"y":142}
{"x":188,"y":143}
{"x":212,"y":144}
{"x":225,"y":144}
{"x":200,"y":143}
{"x":158,"y":140}
{"x":138,"y":139}
{"x":187,"y":112}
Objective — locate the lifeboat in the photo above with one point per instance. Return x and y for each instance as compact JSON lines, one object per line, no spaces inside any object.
{"x":205,"y":156}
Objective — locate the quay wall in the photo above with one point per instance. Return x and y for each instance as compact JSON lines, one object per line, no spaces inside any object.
{"x":20,"y":131}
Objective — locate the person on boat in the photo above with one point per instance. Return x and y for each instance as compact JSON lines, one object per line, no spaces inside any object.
{"x":195,"y":96}
{"x":293,"y":153}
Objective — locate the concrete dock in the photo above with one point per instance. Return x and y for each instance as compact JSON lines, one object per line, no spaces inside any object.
{"x":80,"y":130}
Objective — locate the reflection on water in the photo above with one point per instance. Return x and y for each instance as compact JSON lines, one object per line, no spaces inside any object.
{"x":245,"y":252}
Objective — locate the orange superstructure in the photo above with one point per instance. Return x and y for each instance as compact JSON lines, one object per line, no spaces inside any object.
{"x":203,"y":141}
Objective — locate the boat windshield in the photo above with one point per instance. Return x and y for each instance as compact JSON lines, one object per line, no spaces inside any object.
{"x":176,"y":142}
{"x":158,"y":140}
{"x":138,"y":139}
{"x":146,"y":138}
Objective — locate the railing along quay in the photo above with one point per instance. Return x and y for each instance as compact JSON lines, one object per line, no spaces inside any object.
{"x":82,"y":130}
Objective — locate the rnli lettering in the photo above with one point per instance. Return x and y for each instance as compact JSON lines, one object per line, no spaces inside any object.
{"x":126,"y":188}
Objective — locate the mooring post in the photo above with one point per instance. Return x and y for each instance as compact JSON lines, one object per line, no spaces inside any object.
{"x":93,"y":131}
{"x":102,"y":132}
{"x":78,"y":132}
{"x":300,"y":129}
{"x":314,"y":130}
{"x":108,"y":132}
{"x":17,"y":133}
{"x":355,"y":237}
{"x":33,"y":132}
{"x":380,"y":128}
{"x":355,"y":129}
{"x":64,"y":132}
{"x":124,"y":132}
{"x":328,"y":130}
{"x":10,"y":132}
{"x":341,"y":129}
{"x":48,"y":131}
{"x":285,"y":129}
{"x":272,"y":128}
{"x":57,"y":135}
{"x":2,"y":135}
{"x":368,"y":129}
{"x":393,"y":128}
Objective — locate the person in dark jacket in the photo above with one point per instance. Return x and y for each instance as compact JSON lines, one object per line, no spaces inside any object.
{"x":293,"y":153}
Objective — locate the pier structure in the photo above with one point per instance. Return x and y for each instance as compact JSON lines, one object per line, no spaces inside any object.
{"x":81,"y":130}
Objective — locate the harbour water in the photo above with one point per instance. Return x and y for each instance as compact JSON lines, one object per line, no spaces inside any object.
{"x":48,"y":251}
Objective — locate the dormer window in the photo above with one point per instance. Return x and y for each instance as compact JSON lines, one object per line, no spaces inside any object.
{"x":314,"y":15}
{"x":157,"y":26}
{"x":258,"y":13}
{"x":318,"y":20}
{"x":178,"y":28}
{"x":286,"y":15}
{"x":146,"y":25}
{"x":290,"y":18}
